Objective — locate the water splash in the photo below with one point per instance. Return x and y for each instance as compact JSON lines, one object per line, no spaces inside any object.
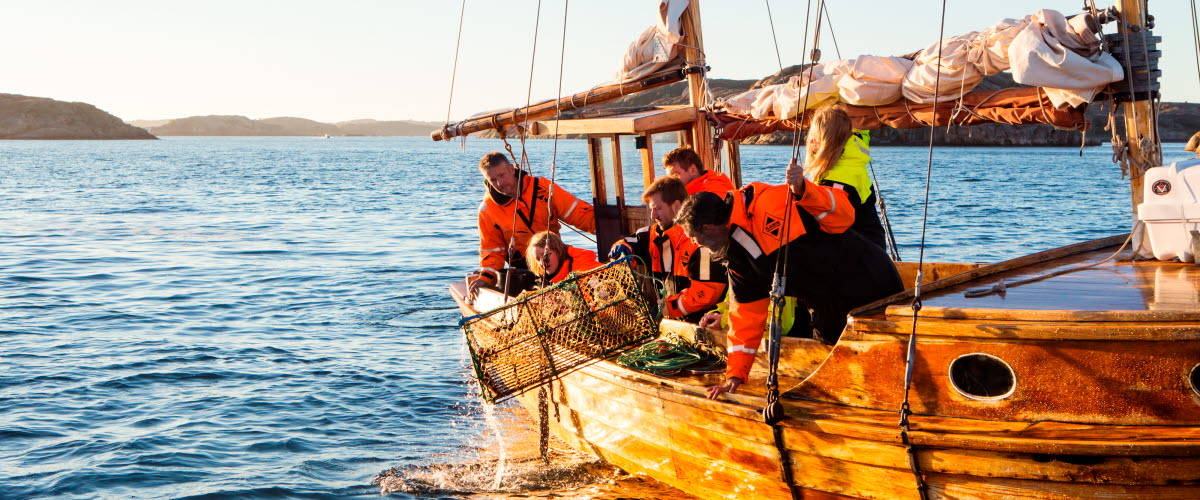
{"x":489,"y":415}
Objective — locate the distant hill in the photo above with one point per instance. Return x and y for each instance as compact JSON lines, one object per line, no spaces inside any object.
{"x":24,"y":117}
{"x":388,"y":128}
{"x":234,"y":125}
{"x":302,"y":126}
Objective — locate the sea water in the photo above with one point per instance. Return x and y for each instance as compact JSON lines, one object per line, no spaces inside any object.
{"x":268,"y":317}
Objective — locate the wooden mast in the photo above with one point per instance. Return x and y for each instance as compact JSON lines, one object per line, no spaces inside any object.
{"x":693,"y":51}
{"x":1139,"y":114}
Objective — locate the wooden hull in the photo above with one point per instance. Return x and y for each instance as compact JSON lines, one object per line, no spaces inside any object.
{"x":724,"y":450}
{"x":1102,"y":405}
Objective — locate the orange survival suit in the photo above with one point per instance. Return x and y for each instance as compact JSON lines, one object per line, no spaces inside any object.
{"x":532,"y":216}
{"x":577,"y":260}
{"x":712,"y":181}
{"x":692,"y":284}
{"x":829,"y":269}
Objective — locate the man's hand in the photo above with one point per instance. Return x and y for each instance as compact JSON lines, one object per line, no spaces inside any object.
{"x":473,"y":288}
{"x":795,"y":178}
{"x":731,"y":384}
{"x":711,"y":320}
{"x":619,"y":249}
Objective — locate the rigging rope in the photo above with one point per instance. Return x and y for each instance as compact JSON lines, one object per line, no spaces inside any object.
{"x":771,"y":20}
{"x":557,"y":116}
{"x":454,"y":71}
{"x":522,"y":165}
{"x":773,"y":412}
{"x":1196,"y":38}
{"x":905,"y":409}
{"x":829,"y":23}
{"x":889,"y":236}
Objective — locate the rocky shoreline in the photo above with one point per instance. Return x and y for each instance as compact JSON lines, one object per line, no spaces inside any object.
{"x":40,"y":118}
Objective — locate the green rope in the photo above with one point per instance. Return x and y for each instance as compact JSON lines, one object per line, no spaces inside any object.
{"x":672,"y":355}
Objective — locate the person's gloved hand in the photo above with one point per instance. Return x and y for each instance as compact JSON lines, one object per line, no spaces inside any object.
{"x":620,"y":249}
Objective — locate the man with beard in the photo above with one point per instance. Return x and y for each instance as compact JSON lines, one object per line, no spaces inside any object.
{"x":515,"y":207}
{"x":829,"y":269}
{"x":692,"y":284}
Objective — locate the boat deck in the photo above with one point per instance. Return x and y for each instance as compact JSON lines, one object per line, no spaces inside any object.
{"x":1118,"y":289}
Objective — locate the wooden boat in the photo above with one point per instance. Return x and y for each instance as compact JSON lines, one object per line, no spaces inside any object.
{"x":1084,"y":381}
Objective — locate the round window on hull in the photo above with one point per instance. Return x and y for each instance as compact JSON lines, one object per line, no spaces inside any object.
{"x":1195,"y":379}
{"x":984,"y":377}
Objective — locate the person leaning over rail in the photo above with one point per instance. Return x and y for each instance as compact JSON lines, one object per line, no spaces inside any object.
{"x":838,"y":157}
{"x":504,"y":217}
{"x":552,"y":260}
{"x":829,"y":269}
{"x":692,"y":285}
{"x":686,"y":165}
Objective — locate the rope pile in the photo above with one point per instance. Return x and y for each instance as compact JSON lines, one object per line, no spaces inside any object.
{"x":673,"y":355}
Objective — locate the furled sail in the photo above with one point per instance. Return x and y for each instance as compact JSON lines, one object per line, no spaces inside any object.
{"x":1044,"y":49}
{"x":657,"y":48}
{"x":1016,"y":106}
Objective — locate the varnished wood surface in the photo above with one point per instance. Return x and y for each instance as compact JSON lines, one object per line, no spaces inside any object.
{"x":1117,"y":290}
{"x":722,"y":449}
{"x":666,"y":118}
{"x":1102,"y":410}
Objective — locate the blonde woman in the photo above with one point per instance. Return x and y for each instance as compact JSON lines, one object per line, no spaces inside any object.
{"x":552,"y":260}
{"x":837,"y":157}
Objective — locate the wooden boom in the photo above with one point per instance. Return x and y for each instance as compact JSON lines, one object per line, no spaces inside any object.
{"x":550,"y":108}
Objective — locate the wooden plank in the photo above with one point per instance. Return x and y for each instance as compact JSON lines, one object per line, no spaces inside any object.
{"x":983,"y":488}
{"x":1063,"y":468}
{"x":636,"y":217}
{"x":933,"y":271}
{"x":648,"y":160}
{"x":596,"y":157}
{"x":996,"y":269}
{"x":735,"y":162}
{"x":1127,"y":382}
{"x":1046,"y":315}
{"x":878,"y":328}
{"x":618,"y":187}
{"x":662,"y":119}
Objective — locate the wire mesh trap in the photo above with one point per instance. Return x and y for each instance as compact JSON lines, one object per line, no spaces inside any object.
{"x":547,"y":333}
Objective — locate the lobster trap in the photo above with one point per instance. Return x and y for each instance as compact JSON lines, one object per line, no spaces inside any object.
{"x":549,"y":332}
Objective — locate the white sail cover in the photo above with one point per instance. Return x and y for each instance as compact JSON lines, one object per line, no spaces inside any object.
{"x":656,"y":48}
{"x":1043,"y":49}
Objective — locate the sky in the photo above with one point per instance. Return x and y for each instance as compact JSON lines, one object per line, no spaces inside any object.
{"x":393,"y":59}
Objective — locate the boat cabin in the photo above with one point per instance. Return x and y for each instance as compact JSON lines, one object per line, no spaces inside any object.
{"x":612,"y":137}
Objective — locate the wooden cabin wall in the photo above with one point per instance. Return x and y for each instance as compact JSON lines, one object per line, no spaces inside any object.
{"x":604,"y":155}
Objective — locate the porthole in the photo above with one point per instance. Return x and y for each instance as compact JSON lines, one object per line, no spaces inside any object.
{"x":1195,"y":379}
{"x":985,"y":377}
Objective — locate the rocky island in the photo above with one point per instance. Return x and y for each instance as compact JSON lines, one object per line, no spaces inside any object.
{"x":24,"y":117}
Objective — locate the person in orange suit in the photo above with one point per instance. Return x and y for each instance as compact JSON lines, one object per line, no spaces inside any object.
{"x":517,"y":206}
{"x":693,"y":284}
{"x":831,"y":271}
{"x":552,"y":260}
{"x":685,"y":164}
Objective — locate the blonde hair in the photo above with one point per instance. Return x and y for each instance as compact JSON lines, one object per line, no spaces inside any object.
{"x":1193,"y":144}
{"x":549,"y":241}
{"x":831,"y":128}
